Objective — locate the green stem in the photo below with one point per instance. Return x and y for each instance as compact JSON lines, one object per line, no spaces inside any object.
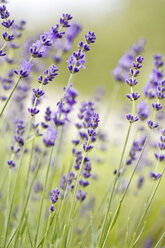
{"x":148,"y":204}
{"x":43,"y":195}
{"x":123,"y":197}
{"x":158,"y":243}
{"x":46,"y":232}
{"x":8,"y":99}
{"x":27,"y":198}
{"x":114,"y":185}
{"x":73,"y":203}
{"x":4,"y":45}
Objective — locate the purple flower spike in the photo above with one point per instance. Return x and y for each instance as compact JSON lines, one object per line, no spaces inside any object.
{"x":33,"y":111}
{"x":160,"y":157}
{"x":134,"y":96}
{"x":8,"y":37}
{"x":49,"y":75}
{"x":140,"y":182}
{"x":38,"y":93}
{"x":52,"y":209}
{"x":152,"y":125}
{"x":131,"y":82}
{"x":132,"y":118}
{"x":2,"y":53}
{"x":155,"y":176}
{"x":143,"y":111}
{"x":3,"y":12}
{"x":81,"y":196}
{"x":48,"y":114}
{"x":26,"y":68}
{"x":64,"y":21}
{"x":50,"y":137}
{"x":11,"y":163}
{"x":54,"y":195}
{"x":157,"y":106}
{"x":8,"y":23}
{"x":90,"y":37}
{"x":83,"y":183}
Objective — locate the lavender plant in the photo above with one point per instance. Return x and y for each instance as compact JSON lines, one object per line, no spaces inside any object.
{"x":55,"y":190}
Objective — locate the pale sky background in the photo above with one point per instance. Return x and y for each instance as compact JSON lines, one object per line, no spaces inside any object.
{"x":41,"y":11}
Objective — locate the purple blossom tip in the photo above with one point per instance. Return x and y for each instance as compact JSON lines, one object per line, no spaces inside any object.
{"x":155,"y":176}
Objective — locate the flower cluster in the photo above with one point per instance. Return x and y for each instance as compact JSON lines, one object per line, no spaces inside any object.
{"x":40,"y":48}
{"x":55,"y":194}
{"x":136,"y":147}
{"x":49,"y":75}
{"x":25,"y":69}
{"x":77,"y":60}
{"x":160,"y":157}
{"x":7,"y":23}
{"x":65,"y":45}
{"x":65,"y":106}
{"x":161,"y":146}
{"x":19,"y":142}
{"x":121,"y":72}
{"x":134,"y":72}
{"x":7,"y":82}
{"x":67,"y":183}
{"x":153,"y":89}
{"x":50,"y":137}
{"x":143,"y":110}
{"x":47,"y":118}
{"x":87,"y":134}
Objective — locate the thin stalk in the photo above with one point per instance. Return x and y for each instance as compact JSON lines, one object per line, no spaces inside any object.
{"x":28,"y":196}
{"x":73,"y":203}
{"x":115,"y":182}
{"x":28,"y":229}
{"x":127,"y":234}
{"x":30,"y":160}
{"x":43,"y":195}
{"x":19,"y":166}
{"x":123,"y":196}
{"x":46,"y":232}
{"x":158,"y":243}
{"x":43,"y":237}
{"x":149,"y":204}
{"x":4,"y":45}
{"x":8,"y":99}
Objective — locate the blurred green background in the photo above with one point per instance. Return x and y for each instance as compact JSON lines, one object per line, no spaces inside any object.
{"x":118,"y":24}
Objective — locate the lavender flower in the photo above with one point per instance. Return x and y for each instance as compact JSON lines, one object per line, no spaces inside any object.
{"x":161,"y":146}
{"x":134,"y":72}
{"x":155,"y":176}
{"x":65,"y":106}
{"x":140,"y":182}
{"x":81,"y":196}
{"x":77,"y":60}
{"x":154,"y":87}
{"x":26,"y":68}
{"x":143,"y":111}
{"x":121,"y":72}
{"x":19,"y":142}
{"x":54,"y":198}
{"x":50,"y":137}
{"x":49,"y":75}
